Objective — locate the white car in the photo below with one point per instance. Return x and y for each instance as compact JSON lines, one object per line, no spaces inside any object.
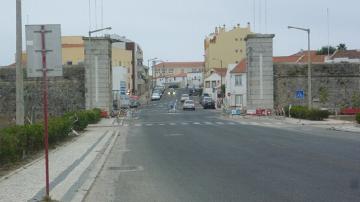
{"x":155,"y":96}
{"x":189,"y":104}
{"x":184,"y":97}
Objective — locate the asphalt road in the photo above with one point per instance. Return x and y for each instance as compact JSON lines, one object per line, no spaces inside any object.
{"x":196,"y":156}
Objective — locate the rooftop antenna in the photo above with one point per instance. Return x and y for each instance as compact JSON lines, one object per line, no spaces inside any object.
{"x":254,"y":16}
{"x":89,"y":15}
{"x":260,"y":17}
{"x":328,"y":29}
{"x":96,"y":25}
{"x":266,"y":16}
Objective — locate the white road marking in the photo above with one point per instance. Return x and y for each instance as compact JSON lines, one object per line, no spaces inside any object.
{"x":207,"y":123}
{"x":184,"y":123}
{"x":219,"y":123}
{"x":149,"y":124}
{"x":137,"y":124}
{"x":196,"y":123}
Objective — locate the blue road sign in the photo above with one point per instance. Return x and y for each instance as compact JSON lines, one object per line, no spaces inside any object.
{"x":300,"y":94}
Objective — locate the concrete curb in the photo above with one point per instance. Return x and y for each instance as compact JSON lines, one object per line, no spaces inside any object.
{"x":24,"y":167}
{"x":84,"y":190}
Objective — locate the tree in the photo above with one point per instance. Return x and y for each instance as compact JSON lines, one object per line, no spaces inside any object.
{"x":342,"y":47}
{"x":325,"y":49}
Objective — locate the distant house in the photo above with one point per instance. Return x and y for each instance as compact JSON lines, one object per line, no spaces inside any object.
{"x":212,"y":84}
{"x":180,"y":79}
{"x":300,"y":57}
{"x":351,"y":56}
{"x":236,"y":85}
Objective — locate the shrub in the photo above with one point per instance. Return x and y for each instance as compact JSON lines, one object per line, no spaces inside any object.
{"x":358,"y":118}
{"x":302,"y":112}
{"x":17,"y":140}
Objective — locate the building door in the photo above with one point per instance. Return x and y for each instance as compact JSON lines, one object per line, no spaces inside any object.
{"x":238,"y":100}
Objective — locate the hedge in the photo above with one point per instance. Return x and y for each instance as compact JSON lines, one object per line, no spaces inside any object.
{"x":358,"y":118}
{"x":302,"y":112}
{"x":15,"y":141}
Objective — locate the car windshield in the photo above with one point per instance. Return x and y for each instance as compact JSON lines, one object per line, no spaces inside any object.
{"x":189,"y":102}
{"x":184,"y":95}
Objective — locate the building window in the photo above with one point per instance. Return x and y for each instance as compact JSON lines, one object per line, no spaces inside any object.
{"x":171,"y":71}
{"x":213,"y":84}
{"x":236,"y":39}
{"x":236,"y":62}
{"x":207,"y":84}
{"x":69,"y":62}
{"x":163,"y":70}
{"x":119,"y":63}
{"x":238,"y":100}
{"x":238,"y":80}
{"x":237,"y":50}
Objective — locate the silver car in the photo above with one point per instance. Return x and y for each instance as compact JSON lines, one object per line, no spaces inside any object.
{"x":189,"y":104}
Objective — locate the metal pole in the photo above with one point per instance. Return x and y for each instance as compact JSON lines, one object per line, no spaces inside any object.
{"x":45,"y":88}
{"x":309,"y":71}
{"x":19,"y":73}
{"x":90,"y":73}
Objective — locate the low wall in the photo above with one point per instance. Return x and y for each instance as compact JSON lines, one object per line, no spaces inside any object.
{"x":66,"y":93}
{"x":333,"y":85}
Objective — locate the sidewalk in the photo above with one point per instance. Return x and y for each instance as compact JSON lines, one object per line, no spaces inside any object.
{"x":332,"y":124}
{"x":73,"y":168}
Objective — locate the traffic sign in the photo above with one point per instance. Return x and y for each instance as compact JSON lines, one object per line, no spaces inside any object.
{"x":34,"y":48}
{"x":300,"y":94}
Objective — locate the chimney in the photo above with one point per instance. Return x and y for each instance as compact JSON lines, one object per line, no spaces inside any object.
{"x":238,"y":25}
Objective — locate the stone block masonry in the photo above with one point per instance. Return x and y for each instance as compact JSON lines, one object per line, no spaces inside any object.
{"x":333,"y":85}
{"x":260,"y":93}
{"x":66,"y":93}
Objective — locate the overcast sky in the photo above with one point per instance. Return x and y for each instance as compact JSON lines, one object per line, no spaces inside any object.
{"x":174,"y":30}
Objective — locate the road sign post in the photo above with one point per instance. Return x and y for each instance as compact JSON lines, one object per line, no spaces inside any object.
{"x":38,"y":37}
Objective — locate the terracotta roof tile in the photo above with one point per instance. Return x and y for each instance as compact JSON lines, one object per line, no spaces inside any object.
{"x":240,"y":68}
{"x":351,"y":54}
{"x":220,"y":71}
{"x":300,"y":57}
{"x":181,"y":65}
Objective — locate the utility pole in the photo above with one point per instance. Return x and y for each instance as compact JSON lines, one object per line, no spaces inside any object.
{"x":19,"y":72}
{"x":309,"y":64}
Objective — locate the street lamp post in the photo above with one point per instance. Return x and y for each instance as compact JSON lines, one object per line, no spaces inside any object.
{"x":309,"y":64}
{"x":90,"y":64}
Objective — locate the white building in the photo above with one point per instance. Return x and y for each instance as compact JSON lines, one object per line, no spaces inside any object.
{"x":195,"y":79}
{"x":179,"y":79}
{"x":236,"y":85}
{"x":212,"y":84}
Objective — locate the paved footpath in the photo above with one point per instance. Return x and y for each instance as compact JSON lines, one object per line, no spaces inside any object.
{"x":73,"y":168}
{"x":331,"y":124}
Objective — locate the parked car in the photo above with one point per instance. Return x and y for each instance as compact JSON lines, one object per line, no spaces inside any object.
{"x":155,"y":96}
{"x":134,"y":103}
{"x":158,"y":91}
{"x":189,"y":104}
{"x":204,"y":96}
{"x":124,"y":102}
{"x":184,"y":97}
{"x":208,"y":103}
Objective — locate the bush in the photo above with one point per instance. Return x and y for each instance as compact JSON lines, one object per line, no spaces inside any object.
{"x":18,"y":140}
{"x":358,"y":118}
{"x":302,"y":112}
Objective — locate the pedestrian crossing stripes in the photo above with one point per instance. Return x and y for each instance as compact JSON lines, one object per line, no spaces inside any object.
{"x":205,"y":123}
